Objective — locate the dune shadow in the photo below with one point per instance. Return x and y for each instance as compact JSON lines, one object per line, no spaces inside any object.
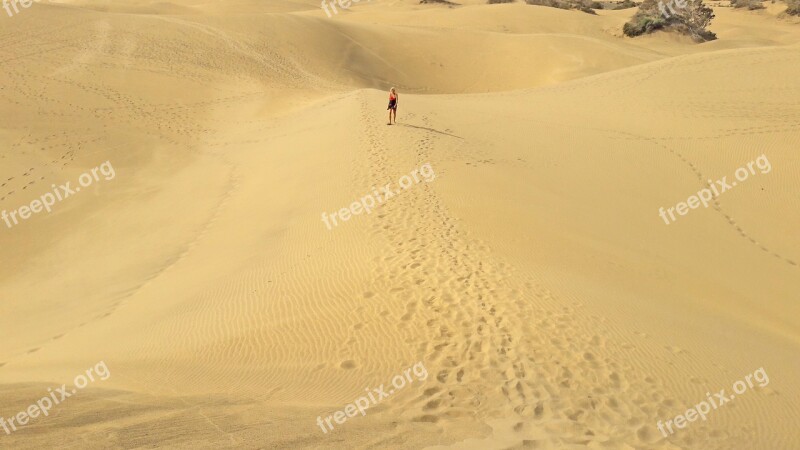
{"x":428,"y":129}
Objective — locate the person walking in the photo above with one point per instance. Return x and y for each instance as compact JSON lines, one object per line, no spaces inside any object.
{"x":392,"y":106}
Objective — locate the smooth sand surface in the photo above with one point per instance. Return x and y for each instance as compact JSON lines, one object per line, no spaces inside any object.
{"x":550,"y":305}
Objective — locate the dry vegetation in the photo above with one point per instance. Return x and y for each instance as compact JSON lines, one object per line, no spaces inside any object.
{"x":587,"y":6}
{"x":626,"y":4}
{"x":691,"y":20}
{"x":749,"y":4}
{"x":438,"y":2}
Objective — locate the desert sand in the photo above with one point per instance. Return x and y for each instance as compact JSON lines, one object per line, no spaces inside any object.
{"x":550,"y":305}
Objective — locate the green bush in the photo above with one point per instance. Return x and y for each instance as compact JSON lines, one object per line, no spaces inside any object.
{"x":794,"y":7}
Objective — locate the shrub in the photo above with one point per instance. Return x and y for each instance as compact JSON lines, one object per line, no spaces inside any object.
{"x":639,"y":25}
{"x":794,"y":7}
{"x":749,"y":4}
{"x":551,"y":3}
{"x":689,"y":17}
{"x":581,"y":5}
{"x":626,"y":4}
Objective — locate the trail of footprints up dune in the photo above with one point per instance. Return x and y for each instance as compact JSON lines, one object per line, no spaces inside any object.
{"x":552,"y":369}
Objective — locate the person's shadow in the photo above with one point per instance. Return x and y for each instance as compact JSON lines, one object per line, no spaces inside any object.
{"x":428,"y":129}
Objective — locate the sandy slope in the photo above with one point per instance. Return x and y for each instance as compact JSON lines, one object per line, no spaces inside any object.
{"x":549,"y":303}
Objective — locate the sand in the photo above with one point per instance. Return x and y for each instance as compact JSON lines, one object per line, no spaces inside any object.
{"x":532,"y":277}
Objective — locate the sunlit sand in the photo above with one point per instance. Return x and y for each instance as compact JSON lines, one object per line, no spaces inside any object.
{"x":532,"y":277}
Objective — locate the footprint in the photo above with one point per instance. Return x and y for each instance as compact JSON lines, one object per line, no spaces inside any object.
{"x":348,"y":364}
{"x":433,"y":404}
{"x":431,"y":391}
{"x":427,"y":418}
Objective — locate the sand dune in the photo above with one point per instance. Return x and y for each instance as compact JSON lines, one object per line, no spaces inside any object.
{"x":532,"y":277}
